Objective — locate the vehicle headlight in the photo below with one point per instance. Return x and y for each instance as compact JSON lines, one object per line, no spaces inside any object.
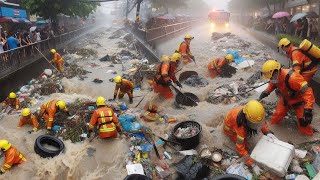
{"x":227,"y":24}
{"x":213,"y":25}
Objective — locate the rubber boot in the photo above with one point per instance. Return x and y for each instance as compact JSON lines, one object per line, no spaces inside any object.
{"x":131,"y":100}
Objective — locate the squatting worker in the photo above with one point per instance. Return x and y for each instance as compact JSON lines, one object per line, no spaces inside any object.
{"x":12,"y":156}
{"x":58,"y":60}
{"x":11,"y":101}
{"x":215,"y":66}
{"x":300,"y":62}
{"x":28,"y":118}
{"x":243,"y":122}
{"x":49,"y":110}
{"x":105,"y":119}
{"x":294,"y":94}
{"x":184,"y":49}
{"x":125,"y":87}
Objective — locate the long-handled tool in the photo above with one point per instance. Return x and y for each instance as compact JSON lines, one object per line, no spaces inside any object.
{"x":46,"y":58}
{"x":185,"y":96}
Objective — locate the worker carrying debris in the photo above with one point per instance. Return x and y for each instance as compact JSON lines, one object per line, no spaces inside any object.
{"x":107,"y":121}
{"x":301,"y":63}
{"x":165,"y":76}
{"x":12,"y":156}
{"x":28,"y":118}
{"x":151,"y":113}
{"x":216,"y":66}
{"x":294,"y":94}
{"x":49,"y":109}
{"x":125,"y":87}
{"x":184,"y":49}
{"x":57,"y":59}
{"x":243,"y":122}
{"x":11,"y":101}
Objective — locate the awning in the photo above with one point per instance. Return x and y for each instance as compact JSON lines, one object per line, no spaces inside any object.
{"x":23,"y":20}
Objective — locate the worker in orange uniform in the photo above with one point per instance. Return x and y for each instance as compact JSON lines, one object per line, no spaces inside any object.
{"x":243,"y":122}
{"x":57,"y":59}
{"x":294,"y":94}
{"x":151,"y":113}
{"x":184,"y":49}
{"x":215,"y":66}
{"x":28,"y":118}
{"x":165,"y":76}
{"x":105,"y":119}
{"x":11,"y":101}
{"x":12,"y":156}
{"x":300,"y":62}
{"x":125,"y":87}
{"x":49,"y":109}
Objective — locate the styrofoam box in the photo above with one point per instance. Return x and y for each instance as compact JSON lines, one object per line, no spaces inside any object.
{"x":273,"y":154}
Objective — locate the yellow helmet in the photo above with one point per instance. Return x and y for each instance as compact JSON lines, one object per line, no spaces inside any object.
{"x":165,"y":58}
{"x":12,"y":95}
{"x":53,"y":51}
{"x":254,"y":111}
{"x":4,"y":145}
{"x":118,"y":79}
{"x":100,"y":101}
{"x":26,"y":112}
{"x":61,"y":105}
{"x":284,"y":42}
{"x":188,"y":36}
{"x":269,"y":67}
{"x":175,"y":57}
{"x":229,"y":57}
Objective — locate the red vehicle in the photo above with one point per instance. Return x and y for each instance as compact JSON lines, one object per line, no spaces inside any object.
{"x":219,"y":18}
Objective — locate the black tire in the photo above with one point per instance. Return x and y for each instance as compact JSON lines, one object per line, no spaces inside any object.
{"x":229,"y":177}
{"x":50,"y":140}
{"x":136,"y":177}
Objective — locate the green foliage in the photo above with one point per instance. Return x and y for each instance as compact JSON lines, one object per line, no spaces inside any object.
{"x":49,"y":9}
{"x":249,"y":5}
{"x":174,"y":4}
{"x":295,"y":40}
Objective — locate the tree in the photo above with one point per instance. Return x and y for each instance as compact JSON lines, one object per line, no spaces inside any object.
{"x":173,"y":4}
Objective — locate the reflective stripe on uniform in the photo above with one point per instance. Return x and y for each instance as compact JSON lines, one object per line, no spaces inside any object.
{"x":310,"y":71}
{"x":104,"y":127}
{"x":50,"y":119}
{"x":21,"y":157}
{"x":240,"y":139}
{"x":7,"y":166}
{"x":3,"y":170}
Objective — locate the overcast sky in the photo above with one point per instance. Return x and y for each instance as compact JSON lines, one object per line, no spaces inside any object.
{"x":218,"y":4}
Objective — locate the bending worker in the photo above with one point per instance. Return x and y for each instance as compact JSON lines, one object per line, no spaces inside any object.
{"x":105,"y":119}
{"x":125,"y":87}
{"x":243,"y":122}
{"x":49,"y":110}
{"x":57,"y":59}
{"x":28,"y":118}
{"x":215,"y":67}
{"x":184,"y":49}
{"x":12,"y":156}
{"x":165,"y":76}
{"x":300,"y":62}
{"x":294,"y":94}
{"x":11,"y":101}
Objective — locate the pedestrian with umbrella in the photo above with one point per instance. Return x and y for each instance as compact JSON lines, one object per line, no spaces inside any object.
{"x":277,"y":16}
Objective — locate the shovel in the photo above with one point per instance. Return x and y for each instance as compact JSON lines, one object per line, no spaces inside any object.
{"x":46,"y":58}
{"x":187,"y":97}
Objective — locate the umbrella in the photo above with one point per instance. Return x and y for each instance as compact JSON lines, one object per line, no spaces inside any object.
{"x":41,"y":22}
{"x":298,"y":16}
{"x":8,"y":19}
{"x":280,"y":15}
{"x":23,"y":20}
{"x":312,"y":14}
{"x":33,"y":28}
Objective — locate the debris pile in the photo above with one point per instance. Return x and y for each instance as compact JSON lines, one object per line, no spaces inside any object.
{"x":216,"y":36}
{"x":196,"y":81}
{"x":73,"y":70}
{"x":186,"y":132}
{"x":117,"y":34}
{"x":47,"y":86}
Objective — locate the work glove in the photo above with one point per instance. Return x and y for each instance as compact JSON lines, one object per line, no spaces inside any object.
{"x":169,"y":82}
{"x":308,"y":116}
{"x":263,"y":95}
{"x":114,"y":97}
{"x":1,"y":172}
{"x":256,"y":169}
{"x":131,"y":100}
{"x":303,"y":122}
{"x":179,"y":84}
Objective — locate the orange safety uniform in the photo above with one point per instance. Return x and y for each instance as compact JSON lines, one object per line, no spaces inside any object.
{"x":295,"y":94}
{"x":126,"y":87}
{"x":150,"y":114}
{"x":238,"y":132}
{"x":108,"y":123}
{"x":57,"y":59}
{"x":48,"y":111}
{"x":300,"y":63}
{"x":13,"y":156}
{"x":13,"y":103}
{"x":165,"y":72}
{"x":29,"y":120}
{"x":184,"y":50}
{"x":214,"y":67}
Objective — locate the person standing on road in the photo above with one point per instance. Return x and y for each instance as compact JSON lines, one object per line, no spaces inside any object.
{"x":184,"y":49}
{"x":300,"y":62}
{"x":57,"y":59}
{"x":313,"y":29}
{"x":28,"y":118}
{"x":11,"y":101}
{"x":125,"y":87}
{"x":305,"y":27}
{"x":215,"y":67}
{"x":12,"y":156}
{"x":294,"y":94}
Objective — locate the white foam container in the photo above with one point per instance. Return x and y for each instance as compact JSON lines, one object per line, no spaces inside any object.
{"x":273,"y":154}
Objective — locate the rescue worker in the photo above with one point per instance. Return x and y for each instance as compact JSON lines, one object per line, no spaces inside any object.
{"x":125,"y":87}
{"x":243,"y":122}
{"x":12,"y":156}
{"x":294,"y":94}
{"x":151,"y":113}
{"x":49,"y":110}
{"x":165,"y":76}
{"x":105,"y":119}
{"x":11,"y":101}
{"x":176,"y":57}
{"x":184,"y":49}
{"x":300,"y":62}
{"x":28,"y":118}
{"x":57,"y":59}
{"x":216,"y":65}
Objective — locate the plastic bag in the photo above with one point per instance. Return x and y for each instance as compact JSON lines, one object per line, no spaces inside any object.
{"x":236,"y":56}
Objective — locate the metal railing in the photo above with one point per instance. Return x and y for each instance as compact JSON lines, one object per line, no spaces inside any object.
{"x":14,"y":59}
